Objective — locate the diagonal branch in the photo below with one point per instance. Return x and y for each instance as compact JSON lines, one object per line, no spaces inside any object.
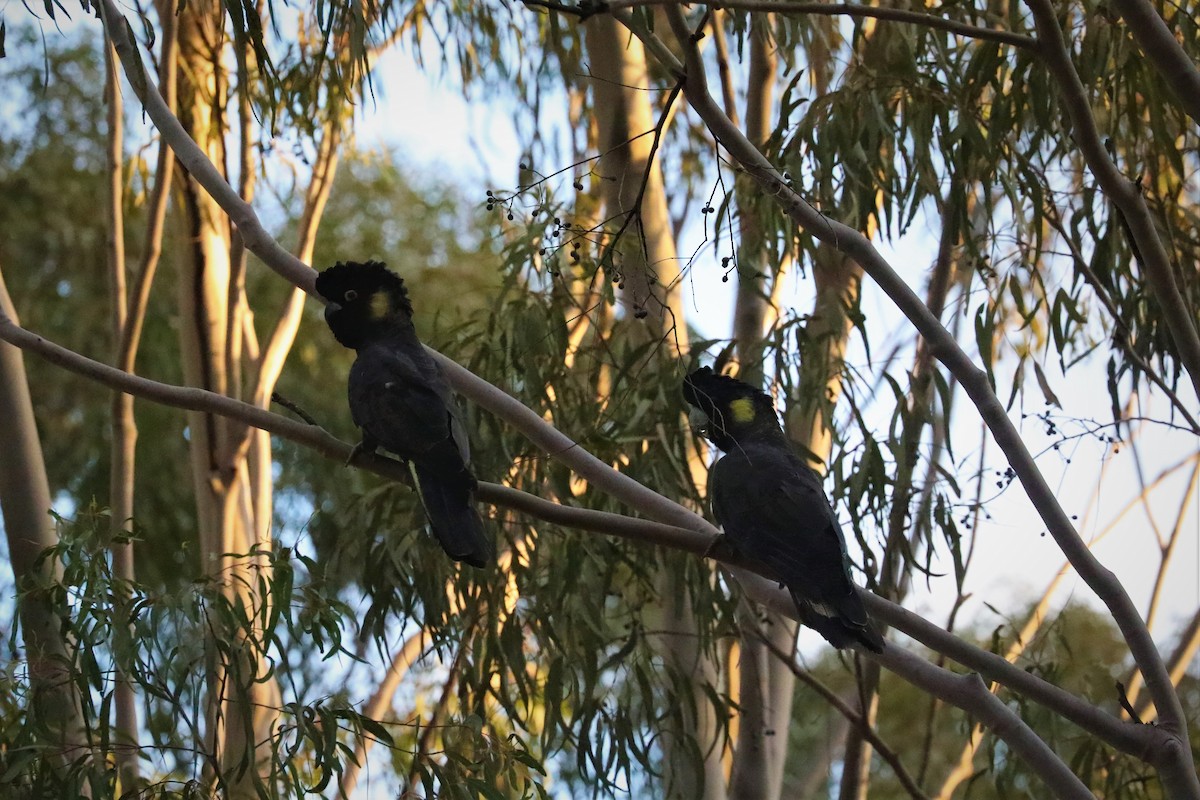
{"x":1175,"y":761}
{"x":193,"y":159}
{"x":696,"y":539}
{"x":1155,"y":261}
{"x":1163,"y":50}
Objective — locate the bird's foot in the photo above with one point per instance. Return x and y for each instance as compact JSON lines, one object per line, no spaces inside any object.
{"x":365,"y":446}
{"x":715,"y":546}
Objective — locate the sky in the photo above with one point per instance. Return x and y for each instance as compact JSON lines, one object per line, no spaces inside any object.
{"x":475,"y":143}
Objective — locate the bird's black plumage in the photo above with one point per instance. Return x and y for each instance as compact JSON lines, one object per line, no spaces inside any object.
{"x":401,"y":401}
{"x":773,"y":508}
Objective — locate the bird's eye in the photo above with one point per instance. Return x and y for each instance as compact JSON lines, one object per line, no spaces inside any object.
{"x":350,"y":295}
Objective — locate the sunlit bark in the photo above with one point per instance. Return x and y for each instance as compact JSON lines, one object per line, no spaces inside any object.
{"x":30,"y":529}
{"x":646,"y":269}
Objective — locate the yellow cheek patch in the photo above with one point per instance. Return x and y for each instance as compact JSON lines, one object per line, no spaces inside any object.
{"x":381,"y":305}
{"x":742,"y":410}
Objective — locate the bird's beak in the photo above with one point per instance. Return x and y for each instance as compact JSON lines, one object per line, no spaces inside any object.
{"x":332,"y":310}
{"x":698,"y":420}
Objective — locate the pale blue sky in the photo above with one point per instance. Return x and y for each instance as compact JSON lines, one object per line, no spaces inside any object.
{"x":476,"y":142}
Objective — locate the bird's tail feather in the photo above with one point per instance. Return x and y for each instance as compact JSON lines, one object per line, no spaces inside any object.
{"x":838,"y":630}
{"x":450,"y":506}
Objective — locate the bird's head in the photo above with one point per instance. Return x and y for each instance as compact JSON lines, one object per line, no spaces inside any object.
{"x":725,"y":409}
{"x":366,"y":301}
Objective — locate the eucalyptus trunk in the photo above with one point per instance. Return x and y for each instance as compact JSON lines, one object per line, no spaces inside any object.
{"x":228,"y":460}
{"x":30,"y":530}
{"x":646,"y":269}
{"x":765,"y":684}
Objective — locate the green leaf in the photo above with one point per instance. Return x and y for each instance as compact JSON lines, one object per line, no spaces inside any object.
{"x":1044,"y":385}
{"x":984,"y":335}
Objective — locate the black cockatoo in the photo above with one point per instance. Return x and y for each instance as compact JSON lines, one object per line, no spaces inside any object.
{"x":773,"y":508}
{"x":401,"y":401}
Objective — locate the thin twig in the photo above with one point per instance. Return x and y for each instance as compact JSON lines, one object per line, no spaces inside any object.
{"x":828,"y":9}
{"x":1123,"y":699}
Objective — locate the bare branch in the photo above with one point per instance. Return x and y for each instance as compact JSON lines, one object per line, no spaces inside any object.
{"x":193,"y":159}
{"x":848,"y":10}
{"x":973,"y":380}
{"x":1163,"y":50}
{"x":1125,"y":194}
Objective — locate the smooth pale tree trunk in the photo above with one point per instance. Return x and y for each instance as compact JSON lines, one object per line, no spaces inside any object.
{"x":646,"y":268}
{"x":124,"y":429}
{"x":765,"y":684}
{"x":233,"y":518}
{"x":29,"y":528}
{"x":837,"y":282}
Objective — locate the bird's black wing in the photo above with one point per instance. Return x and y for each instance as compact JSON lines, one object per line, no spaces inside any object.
{"x":406,"y":407}
{"x":402,"y":402}
{"x":774,"y":509}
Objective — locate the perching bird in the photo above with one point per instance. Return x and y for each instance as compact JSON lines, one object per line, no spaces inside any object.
{"x":401,"y":401}
{"x":773,"y":508}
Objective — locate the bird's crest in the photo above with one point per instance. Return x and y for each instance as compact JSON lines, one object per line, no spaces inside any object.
{"x":371,"y":282}
{"x":710,"y":392}
{"x":365,"y":302}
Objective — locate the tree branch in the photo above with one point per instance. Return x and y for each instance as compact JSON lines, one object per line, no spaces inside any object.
{"x":1175,"y":758}
{"x":1124,"y":193}
{"x":848,"y":10}
{"x":1134,"y":739}
{"x":193,"y":159}
{"x":1163,"y":50}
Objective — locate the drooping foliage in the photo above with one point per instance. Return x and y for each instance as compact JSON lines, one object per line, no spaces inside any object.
{"x":551,"y":662}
